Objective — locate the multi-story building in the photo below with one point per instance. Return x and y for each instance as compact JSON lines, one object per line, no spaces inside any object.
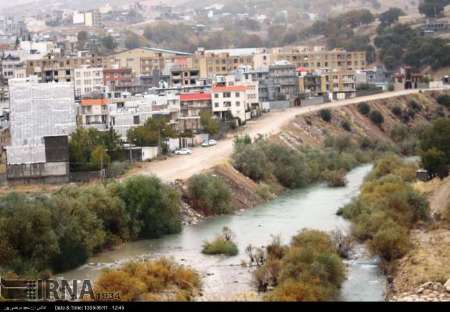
{"x":12,"y":67}
{"x":334,"y":85}
{"x":230,"y":103}
{"x":222,"y":62}
{"x":42,"y":117}
{"x":192,"y":105}
{"x":182,"y":76}
{"x":60,"y":69}
{"x":143,"y":61}
{"x":88,"y":80}
{"x":93,"y":113}
{"x":315,"y":58}
{"x":117,"y":78}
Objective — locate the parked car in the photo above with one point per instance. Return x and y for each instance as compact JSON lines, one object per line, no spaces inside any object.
{"x":209,"y":143}
{"x":183,"y":151}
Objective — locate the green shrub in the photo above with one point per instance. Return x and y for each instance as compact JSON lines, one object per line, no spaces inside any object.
{"x":118,"y":169}
{"x":391,"y":241}
{"x":209,"y":194}
{"x":346,"y":126}
{"x":221,"y":245}
{"x":335,"y":178}
{"x":326,"y":115}
{"x":153,"y":207}
{"x":308,"y":269}
{"x":444,"y":100}
{"x":376,"y":117}
{"x":400,"y":133}
{"x":397,"y":111}
{"x":414,"y":106}
{"x":364,"y":109}
{"x":251,"y":161}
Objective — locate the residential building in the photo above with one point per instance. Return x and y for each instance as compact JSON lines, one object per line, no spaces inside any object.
{"x":88,"y":80}
{"x":12,"y":67}
{"x":143,"y":61}
{"x":93,"y":113}
{"x":42,"y":116}
{"x":332,"y":85}
{"x":182,"y":76}
{"x":58,"y":68}
{"x":213,"y":63}
{"x":230,"y":103}
{"x":117,"y":78}
{"x":192,"y":105}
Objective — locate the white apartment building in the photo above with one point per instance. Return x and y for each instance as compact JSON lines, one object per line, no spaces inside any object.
{"x":93,"y":113}
{"x":88,"y":80}
{"x":135,"y":111}
{"x":230,"y":102}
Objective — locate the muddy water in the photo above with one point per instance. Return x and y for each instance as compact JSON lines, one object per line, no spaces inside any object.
{"x":224,"y":278}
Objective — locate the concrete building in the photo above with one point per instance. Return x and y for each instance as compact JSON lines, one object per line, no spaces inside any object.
{"x":182,"y":76}
{"x":12,"y":67}
{"x":88,"y":80}
{"x":93,"y":113}
{"x":42,"y":117}
{"x":230,"y":103}
{"x":331,"y":85}
{"x":222,"y":62}
{"x":143,"y":61}
{"x":117,"y":78}
{"x":60,"y":69}
{"x":192,"y":105}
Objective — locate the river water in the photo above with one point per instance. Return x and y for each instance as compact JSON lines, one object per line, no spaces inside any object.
{"x":223,"y":277}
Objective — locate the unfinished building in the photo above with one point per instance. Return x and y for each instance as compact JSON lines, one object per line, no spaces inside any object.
{"x":42,"y":116}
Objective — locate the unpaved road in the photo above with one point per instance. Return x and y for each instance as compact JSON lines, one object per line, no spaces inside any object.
{"x":183,"y":167}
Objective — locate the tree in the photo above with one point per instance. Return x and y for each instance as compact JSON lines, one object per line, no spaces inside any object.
{"x":209,"y":194}
{"x":376,"y":117}
{"x":109,"y":43}
{"x":325,"y":114}
{"x":153,"y":207}
{"x":435,"y":162}
{"x":391,"y":16}
{"x":210,"y":125}
{"x":433,"y":8}
{"x":364,"y":109}
{"x":444,"y":100}
{"x":153,"y":133}
{"x":100,"y":158}
{"x":132,"y":41}
{"x":82,"y":38}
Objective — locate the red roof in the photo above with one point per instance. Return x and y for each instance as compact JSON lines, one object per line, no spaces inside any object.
{"x":94,"y":102}
{"x":197,"y":96}
{"x":229,"y":88}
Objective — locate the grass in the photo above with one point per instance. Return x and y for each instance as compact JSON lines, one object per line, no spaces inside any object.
{"x":220,"y":246}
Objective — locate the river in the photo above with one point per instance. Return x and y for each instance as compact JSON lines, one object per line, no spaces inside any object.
{"x":223,"y":278}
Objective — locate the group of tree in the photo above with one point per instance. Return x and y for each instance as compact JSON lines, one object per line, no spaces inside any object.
{"x":61,"y":231}
{"x":263,"y":161}
{"x":433,"y":8}
{"x":435,"y":147}
{"x":91,"y":149}
{"x":154,"y":132}
{"x":387,"y":208}
{"x":401,"y":45}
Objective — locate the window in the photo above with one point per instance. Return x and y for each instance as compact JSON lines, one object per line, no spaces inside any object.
{"x":238,"y":94}
{"x":216,"y":95}
{"x":136,"y":120}
{"x":238,"y":104}
{"x":227,"y":104}
{"x":227,"y":94}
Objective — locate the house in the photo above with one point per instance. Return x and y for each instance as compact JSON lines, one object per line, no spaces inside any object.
{"x":192,"y":105}
{"x":93,"y":113}
{"x":117,"y":78}
{"x":230,"y":103}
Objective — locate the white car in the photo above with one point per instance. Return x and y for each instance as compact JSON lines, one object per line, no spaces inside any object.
{"x":183,"y":151}
{"x":209,"y":143}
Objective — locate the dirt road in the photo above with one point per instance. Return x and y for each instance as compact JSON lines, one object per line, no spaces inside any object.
{"x":183,"y":167}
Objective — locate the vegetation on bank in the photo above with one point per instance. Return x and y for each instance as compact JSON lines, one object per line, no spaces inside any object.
{"x":308,"y":269}
{"x":263,"y":161}
{"x":209,"y":194}
{"x":61,"y":231}
{"x":387,"y":208}
{"x":223,"y":244}
{"x":157,"y":280}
